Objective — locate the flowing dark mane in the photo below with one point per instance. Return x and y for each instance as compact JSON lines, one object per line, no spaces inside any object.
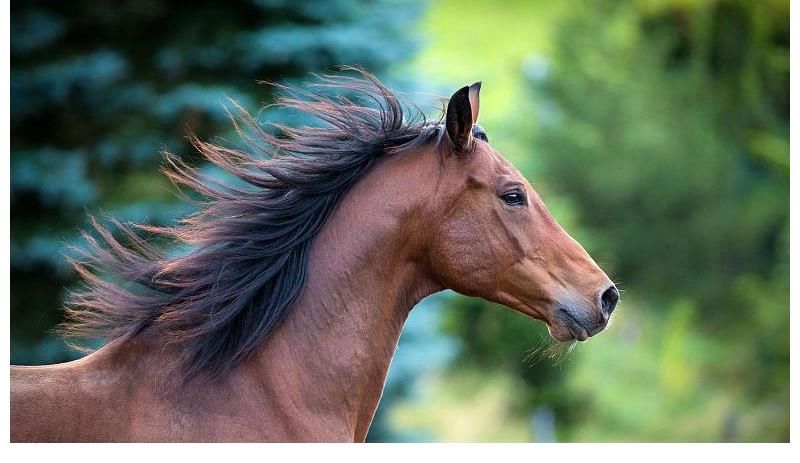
{"x":251,"y":242}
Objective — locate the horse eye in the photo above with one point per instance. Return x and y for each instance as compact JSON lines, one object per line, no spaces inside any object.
{"x":481,"y":136}
{"x":514,"y":198}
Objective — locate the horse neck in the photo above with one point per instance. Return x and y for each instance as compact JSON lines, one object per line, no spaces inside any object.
{"x":365,"y":274}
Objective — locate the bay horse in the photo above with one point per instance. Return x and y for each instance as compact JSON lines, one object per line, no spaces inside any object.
{"x":280,"y":320}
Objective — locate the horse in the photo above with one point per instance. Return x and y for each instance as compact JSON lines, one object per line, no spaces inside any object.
{"x":279,"y":320}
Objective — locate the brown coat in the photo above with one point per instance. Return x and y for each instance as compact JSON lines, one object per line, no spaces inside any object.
{"x":450,"y":214}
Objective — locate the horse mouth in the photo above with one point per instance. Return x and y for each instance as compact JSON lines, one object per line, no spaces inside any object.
{"x":565,"y":327}
{"x":574,"y":328}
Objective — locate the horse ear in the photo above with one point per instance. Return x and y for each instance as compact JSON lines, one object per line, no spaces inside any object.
{"x":475,"y":100}
{"x":462,"y":113}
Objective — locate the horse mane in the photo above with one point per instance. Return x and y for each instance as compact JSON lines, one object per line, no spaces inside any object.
{"x":250,"y":241}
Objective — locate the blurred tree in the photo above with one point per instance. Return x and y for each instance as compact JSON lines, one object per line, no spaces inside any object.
{"x":670,"y":131}
{"x":666,"y":124}
{"x":98,"y":89}
{"x":669,"y":128}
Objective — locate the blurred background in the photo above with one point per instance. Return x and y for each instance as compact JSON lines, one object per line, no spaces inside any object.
{"x":655,"y":130}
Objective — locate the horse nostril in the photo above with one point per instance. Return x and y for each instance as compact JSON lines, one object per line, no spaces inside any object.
{"x":609,"y":299}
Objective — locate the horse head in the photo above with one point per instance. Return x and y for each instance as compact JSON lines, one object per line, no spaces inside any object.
{"x":494,"y":238}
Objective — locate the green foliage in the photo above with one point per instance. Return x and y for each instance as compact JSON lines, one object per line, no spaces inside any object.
{"x":652,"y":138}
{"x":661,"y":141}
{"x":672,"y":137}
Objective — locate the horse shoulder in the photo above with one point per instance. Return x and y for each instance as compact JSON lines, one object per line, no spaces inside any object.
{"x":84,"y":400}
